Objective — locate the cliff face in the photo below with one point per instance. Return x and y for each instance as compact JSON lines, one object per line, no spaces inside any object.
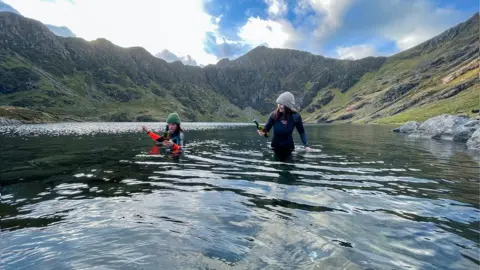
{"x":258,"y":77}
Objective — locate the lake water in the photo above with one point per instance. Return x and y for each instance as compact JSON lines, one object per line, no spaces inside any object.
{"x":95,"y":196}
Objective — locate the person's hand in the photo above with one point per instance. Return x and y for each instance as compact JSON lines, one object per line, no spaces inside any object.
{"x":168,"y":143}
{"x":261,"y":132}
{"x":308,"y":149}
{"x":145,"y":129}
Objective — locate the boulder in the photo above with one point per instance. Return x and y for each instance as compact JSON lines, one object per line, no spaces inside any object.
{"x":7,"y":122}
{"x":464,"y":132}
{"x":440,"y":127}
{"x":408,"y":127}
{"x":474,"y":142}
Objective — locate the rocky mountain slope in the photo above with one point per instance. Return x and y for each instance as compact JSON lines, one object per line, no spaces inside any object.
{"x":99,"y":80}
{"x":258,"y":77}
{"x":438,"y":76}
{"x":73,"y":78}
{"x":61,"y":31}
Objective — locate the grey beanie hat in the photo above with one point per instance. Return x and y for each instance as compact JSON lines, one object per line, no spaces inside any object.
{"x":287,"y":99}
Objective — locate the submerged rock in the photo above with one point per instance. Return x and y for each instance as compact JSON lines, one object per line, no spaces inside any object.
{"x":474,"y":141}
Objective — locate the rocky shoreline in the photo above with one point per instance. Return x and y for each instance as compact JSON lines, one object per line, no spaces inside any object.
{"x":8,"y":122}
{"x":445,"y":127}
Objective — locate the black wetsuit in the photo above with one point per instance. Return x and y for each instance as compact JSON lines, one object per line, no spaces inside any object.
{"x":282,"y":141}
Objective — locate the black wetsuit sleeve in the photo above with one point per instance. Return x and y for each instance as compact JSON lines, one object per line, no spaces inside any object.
{"x":269,"y":123}
{"x":181,"y":139}
{"x":301,"y":129}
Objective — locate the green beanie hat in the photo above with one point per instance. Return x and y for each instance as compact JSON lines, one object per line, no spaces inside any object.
{"x":173,"y":118}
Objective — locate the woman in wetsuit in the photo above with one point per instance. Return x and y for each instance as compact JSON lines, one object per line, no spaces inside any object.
{"x":284,"y":120}
{"x":173,"y":138}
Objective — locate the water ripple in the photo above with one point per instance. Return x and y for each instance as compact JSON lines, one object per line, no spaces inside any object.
{"x":227,"y":203}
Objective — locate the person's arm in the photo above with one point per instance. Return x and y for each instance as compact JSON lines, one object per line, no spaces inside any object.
{"x":269,"y":123}
{"x":179,"y":145}
{"x":266,"y":128}
{"x":152,"y":134}
{"x":301,"y":130}
{"x":180,"y":142}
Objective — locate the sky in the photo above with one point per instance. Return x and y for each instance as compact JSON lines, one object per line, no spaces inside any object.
{"x":206,"y":31}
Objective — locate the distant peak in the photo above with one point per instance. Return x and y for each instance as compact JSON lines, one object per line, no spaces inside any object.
{"x":62,"y":31}
{"x":223,"y":62}
{"x":4,"y":7}
{"x":170,"y":57}
{"x":103,"y":40}
{"x":260,"y":48}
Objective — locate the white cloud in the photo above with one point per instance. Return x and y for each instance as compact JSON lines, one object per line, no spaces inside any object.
{"x":301,"y":7}
{"x":410,"y":40}
{"x":408,"y":23}
{"x":275,"y":34}
{"x":221,"y":40}
{"x":356,"y":51}
{"x":179,"y":26}
{"x":218,"y":40}
{"x":332,"y":12}
{"x":171,"y":57}
{"x":421,"y":22}
{"x":276,"y":7}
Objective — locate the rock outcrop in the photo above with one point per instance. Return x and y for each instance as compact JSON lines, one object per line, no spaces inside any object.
{"x":440,"y":127}
{"x":445,"y":127}
{"x":474,"y":141}
{"x":7,"y":122}
{"x":465,"y":132}
{"x":408,"y":127}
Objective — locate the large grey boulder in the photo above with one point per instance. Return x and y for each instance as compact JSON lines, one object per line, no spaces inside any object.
{"x":464,"y":132}
{"x":474,"y":141}
{"x":440,"y":127}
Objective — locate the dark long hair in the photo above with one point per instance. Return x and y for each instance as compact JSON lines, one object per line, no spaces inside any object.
{"x":287,"y":112}
{"x":179,"y":128}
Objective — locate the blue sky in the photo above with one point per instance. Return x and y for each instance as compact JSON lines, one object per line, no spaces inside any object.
{"x":340,"y":28}
{"x":209,"y":30}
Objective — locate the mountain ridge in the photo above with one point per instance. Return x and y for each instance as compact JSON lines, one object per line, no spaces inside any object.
{"x":101,"y":74}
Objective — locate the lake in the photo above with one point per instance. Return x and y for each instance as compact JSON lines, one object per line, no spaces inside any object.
{"x":97,"y":196}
